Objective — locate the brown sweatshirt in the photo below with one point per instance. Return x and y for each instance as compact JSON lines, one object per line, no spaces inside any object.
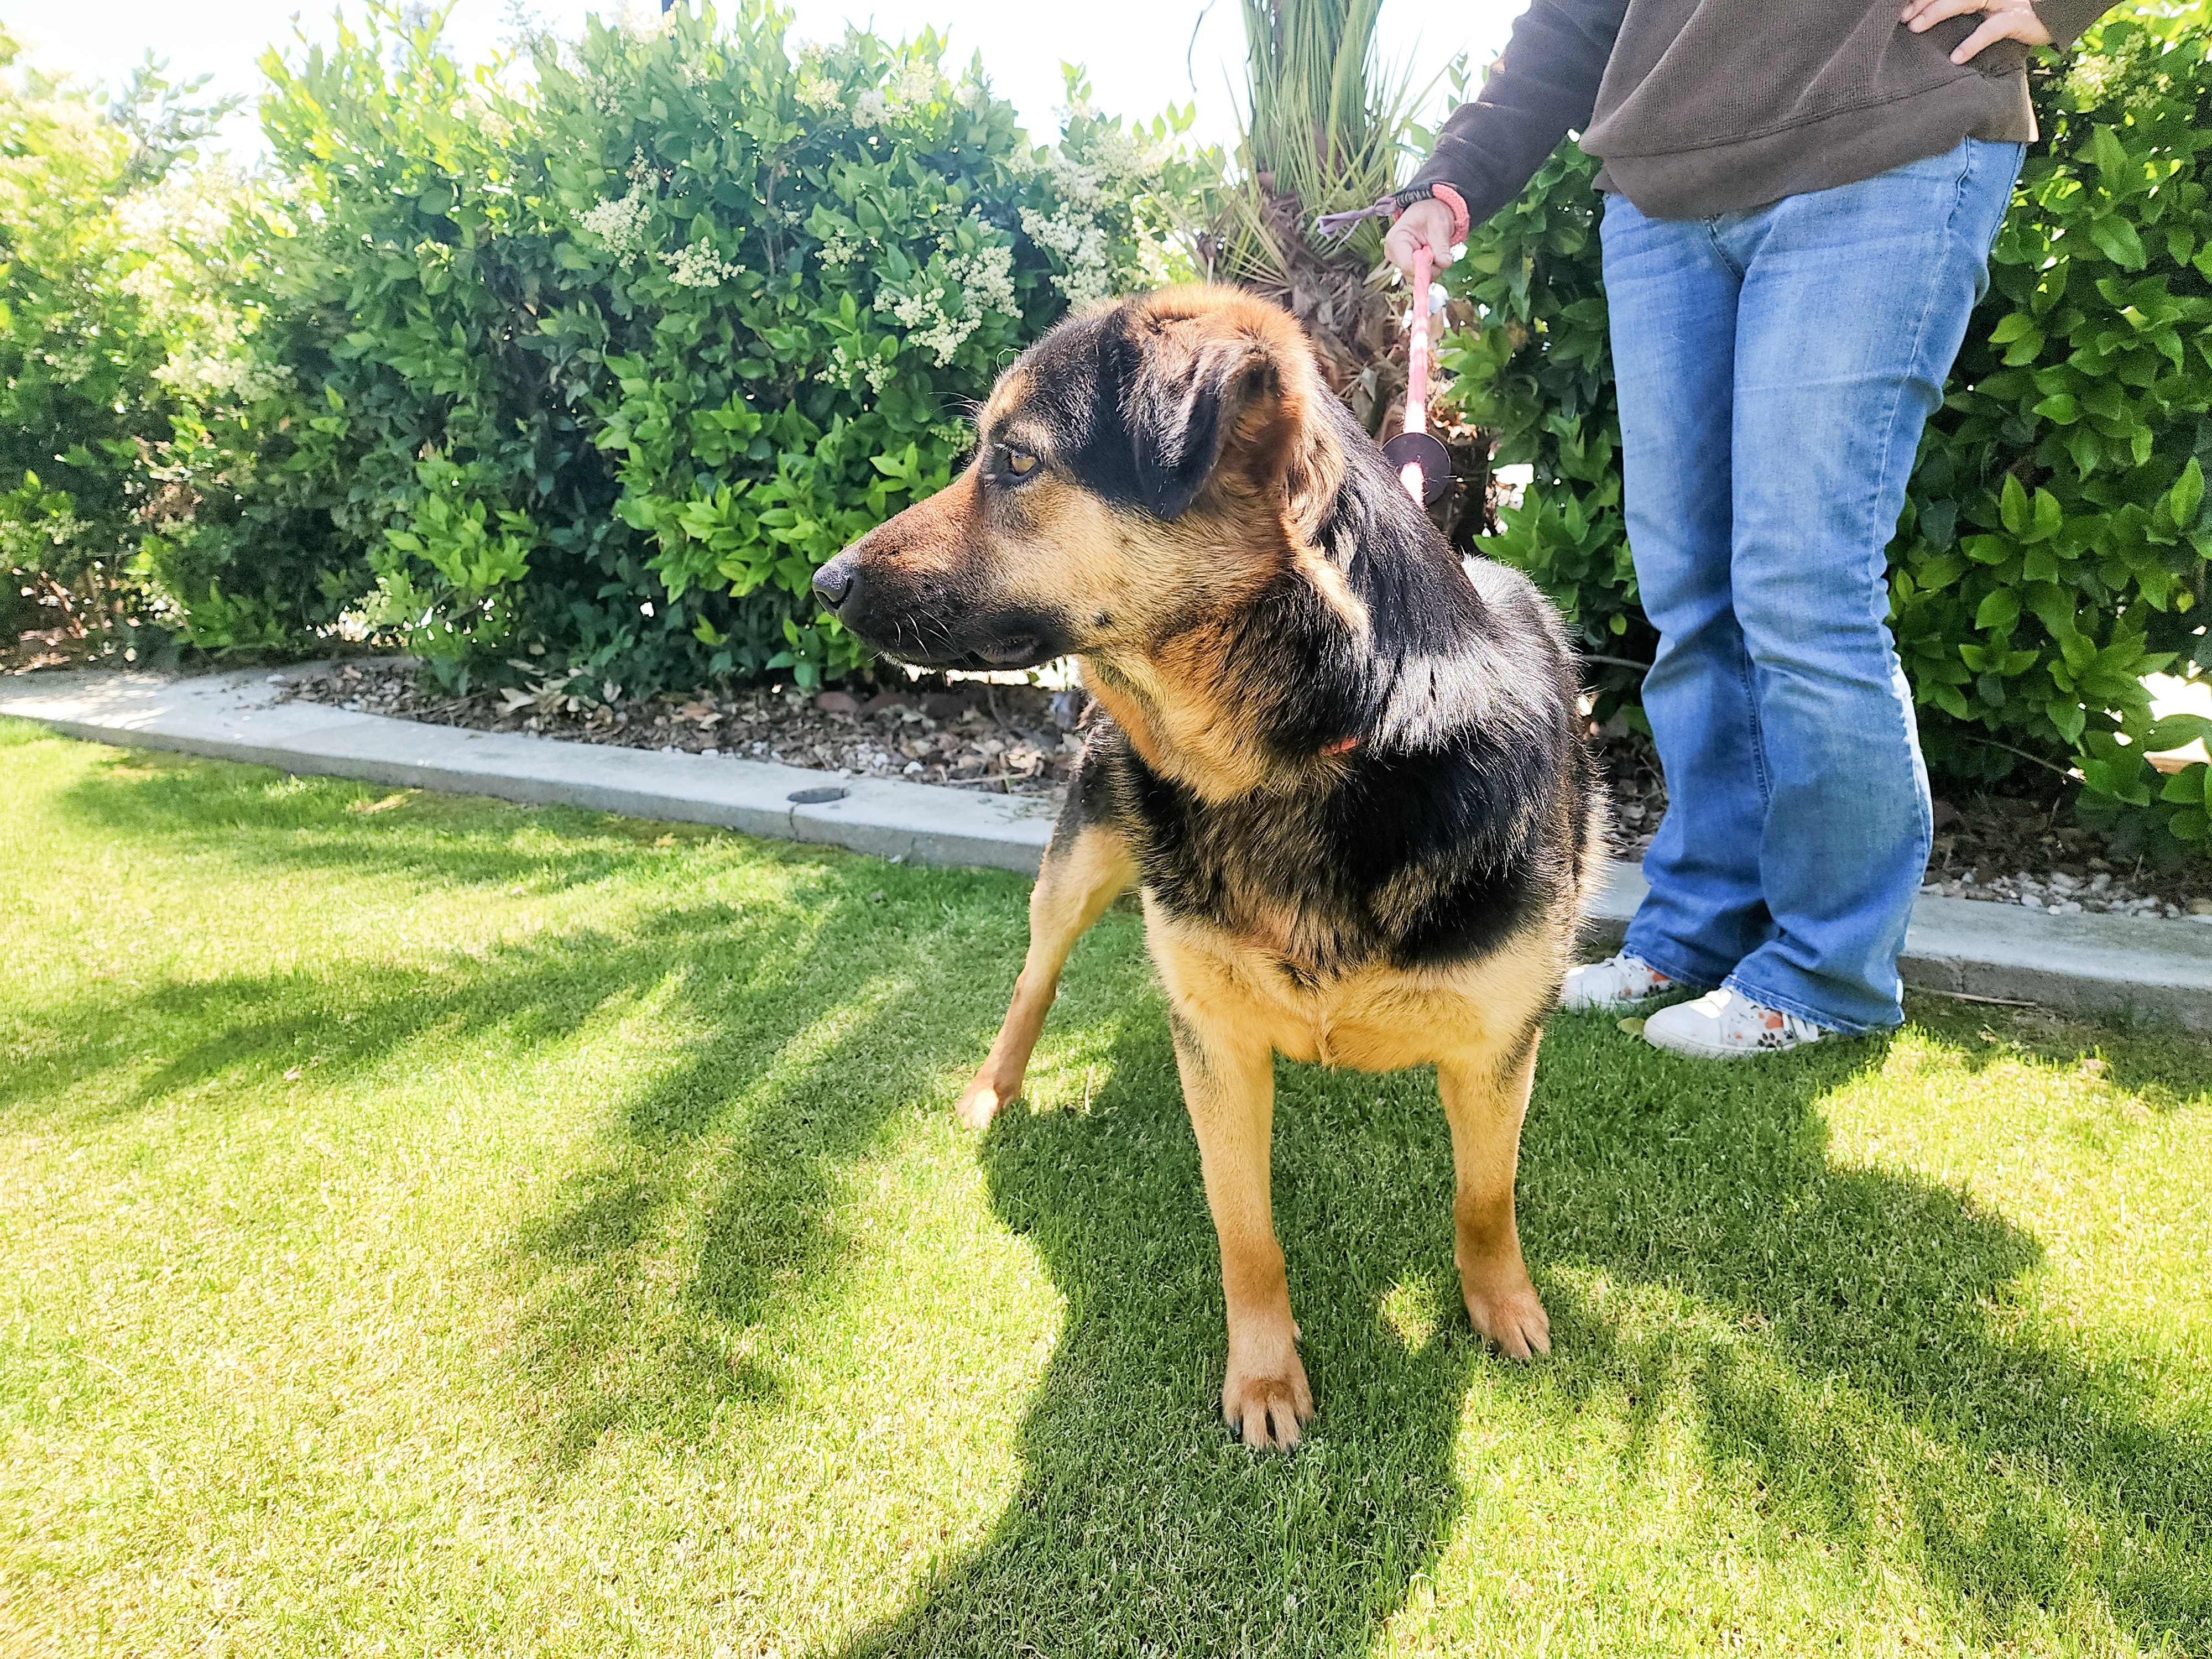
{"x":1700,"y":107}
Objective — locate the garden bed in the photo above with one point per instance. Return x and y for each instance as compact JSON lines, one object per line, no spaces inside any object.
{"x":985,"y":734}
{"x":967,"y":732}
{"x":2001,"y":849}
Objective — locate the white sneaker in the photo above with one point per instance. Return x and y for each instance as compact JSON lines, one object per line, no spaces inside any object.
{"x":1729,"y":1026}
{"x":1618,"y":981}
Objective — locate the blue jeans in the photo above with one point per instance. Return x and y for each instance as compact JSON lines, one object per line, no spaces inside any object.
{"x":1775,"y":370}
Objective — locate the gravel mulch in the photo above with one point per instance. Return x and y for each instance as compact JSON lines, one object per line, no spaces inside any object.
{"x":2013,"y":851}
{"x":967,"y":733}
{"x":1023,"y":739}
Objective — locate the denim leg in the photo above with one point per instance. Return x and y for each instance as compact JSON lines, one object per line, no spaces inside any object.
{"x":1672,"y":297}
{"x":1854,"y":303}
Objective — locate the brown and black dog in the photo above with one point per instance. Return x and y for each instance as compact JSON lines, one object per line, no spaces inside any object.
{"x":1351,"y":785}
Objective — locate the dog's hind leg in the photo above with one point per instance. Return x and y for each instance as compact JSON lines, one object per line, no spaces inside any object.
{"x":1086,"y":868}
{"x":1228,"y":1085}
{"x":1486,"y":1096}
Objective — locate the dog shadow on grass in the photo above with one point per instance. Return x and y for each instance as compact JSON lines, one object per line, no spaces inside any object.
{"x":1838,"y":1337}
{"x":802,"y":994}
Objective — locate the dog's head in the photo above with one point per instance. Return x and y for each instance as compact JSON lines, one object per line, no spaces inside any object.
{"x":1145,"y":464}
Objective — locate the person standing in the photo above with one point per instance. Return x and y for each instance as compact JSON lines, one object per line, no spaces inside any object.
{"x":1801,"y":199}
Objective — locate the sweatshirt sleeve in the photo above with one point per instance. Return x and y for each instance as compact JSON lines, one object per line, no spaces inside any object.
{"x":2066,"y":19}
{"x":1544,"y":85}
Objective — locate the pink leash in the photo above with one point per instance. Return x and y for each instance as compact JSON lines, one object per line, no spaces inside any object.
{"x":1424,"y":464}
{"x":1412,"y":475}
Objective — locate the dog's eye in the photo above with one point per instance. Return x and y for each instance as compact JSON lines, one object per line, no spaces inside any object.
{"x":1020,"y":463}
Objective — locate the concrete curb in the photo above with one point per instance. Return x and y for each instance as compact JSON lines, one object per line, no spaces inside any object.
{"x":235,"y":717}
{"x":2156,"y":971}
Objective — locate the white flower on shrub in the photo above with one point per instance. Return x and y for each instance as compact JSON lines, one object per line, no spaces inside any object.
{"x":1105,"y":177}
{"x":821,"y":94}
{"x":191,"y":296}
{"x":700,"y":266}
{"x":1077,"y":239}
{"x":986,"y":281}
{"x":876,"y":372}
{"x":916,"y":87}
{"x":191,"y":209}
{"x":1107,"y":167}
{"x":2131,"y":70}
{"x":974,"y":95}
{"x":839,"y":250}
{"x":619,"y":222}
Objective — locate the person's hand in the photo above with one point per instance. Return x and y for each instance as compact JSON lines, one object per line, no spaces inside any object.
{"x":2002,"y":19}
{"x":1426,"y":224}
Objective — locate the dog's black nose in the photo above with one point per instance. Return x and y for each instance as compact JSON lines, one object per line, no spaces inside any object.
{"x":834,"y":580}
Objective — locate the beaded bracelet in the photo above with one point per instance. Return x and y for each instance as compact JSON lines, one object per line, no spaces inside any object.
{"x":1335,"y":224}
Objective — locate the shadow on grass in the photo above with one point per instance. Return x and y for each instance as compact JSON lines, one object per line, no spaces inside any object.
{"x":1843,"y":1336}
{"x":1840,"y":1336}
{"x":740,"y":1148}
{"x":790,"y":990}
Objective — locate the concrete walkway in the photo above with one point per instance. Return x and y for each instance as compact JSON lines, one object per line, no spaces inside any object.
{"x":2156,"y":971}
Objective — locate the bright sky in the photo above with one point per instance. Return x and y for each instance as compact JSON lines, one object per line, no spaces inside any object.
{"x":1142,"y":54}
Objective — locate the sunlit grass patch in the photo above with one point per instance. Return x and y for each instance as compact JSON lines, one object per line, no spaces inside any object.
{"x":462,"y":1228}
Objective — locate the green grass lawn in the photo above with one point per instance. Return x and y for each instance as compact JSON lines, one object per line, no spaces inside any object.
{"x":430,"y":1226}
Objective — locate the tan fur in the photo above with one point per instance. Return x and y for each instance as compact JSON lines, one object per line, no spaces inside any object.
{"x":1234,"y":1008}
{"x":1073,"y":888}
{"x":1328,"y":582}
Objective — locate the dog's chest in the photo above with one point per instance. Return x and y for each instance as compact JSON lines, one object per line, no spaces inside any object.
{"x":1273,"y":876}
{"x":1236,"y":860}
{"x":1375,"y":1017}
{"x":1398,"y":870}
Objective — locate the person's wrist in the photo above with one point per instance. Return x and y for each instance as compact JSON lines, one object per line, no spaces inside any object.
{"x":1446,"y":198}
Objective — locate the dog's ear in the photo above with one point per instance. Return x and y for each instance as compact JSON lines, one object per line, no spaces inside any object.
{"x":1204,"y":393}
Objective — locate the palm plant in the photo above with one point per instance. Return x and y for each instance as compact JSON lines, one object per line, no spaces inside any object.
{"x":1325,"y":129}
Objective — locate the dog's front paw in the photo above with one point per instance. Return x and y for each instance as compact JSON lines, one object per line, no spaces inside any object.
{"x":1510,"y":1314}
{"x":1267,"y":1404}
{"x":984,"y":1096}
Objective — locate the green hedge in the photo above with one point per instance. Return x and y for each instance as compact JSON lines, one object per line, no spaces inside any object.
{"x":79,"y":355}
{"x":581,"y":382}
{"x":2054,"y":545}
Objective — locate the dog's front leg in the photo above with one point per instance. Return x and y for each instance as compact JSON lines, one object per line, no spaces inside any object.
{"x":1486,"y":1096}
{"x":1085,"y":869}
{"x":1228,"y":1085}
